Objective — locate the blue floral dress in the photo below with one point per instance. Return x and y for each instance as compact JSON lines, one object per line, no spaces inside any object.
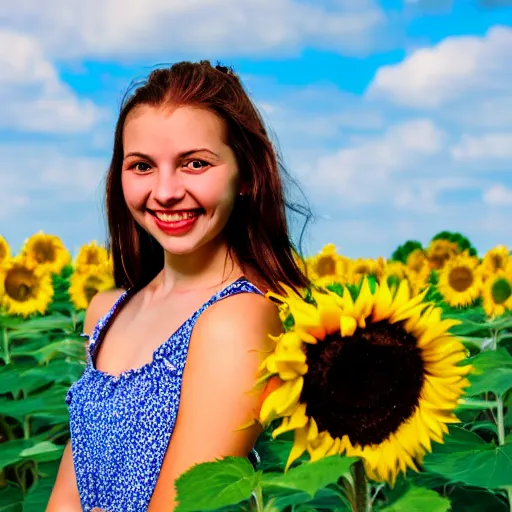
{"x":121,"y":426}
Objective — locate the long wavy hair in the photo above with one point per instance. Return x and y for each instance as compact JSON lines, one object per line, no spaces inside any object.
{"x":257,"y":232}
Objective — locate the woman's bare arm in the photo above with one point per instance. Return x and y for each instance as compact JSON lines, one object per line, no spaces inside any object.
{"x":226,"y":348}
{"x":64,"y":497}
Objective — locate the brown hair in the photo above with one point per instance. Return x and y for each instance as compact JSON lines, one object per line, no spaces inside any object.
{"x":257,"y":231}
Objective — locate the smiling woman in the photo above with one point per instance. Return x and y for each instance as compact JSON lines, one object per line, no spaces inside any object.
{"x":198,"y":235}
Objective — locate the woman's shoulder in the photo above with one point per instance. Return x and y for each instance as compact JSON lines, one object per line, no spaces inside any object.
{"x":99,"y":306}
{"x":251,"y":315}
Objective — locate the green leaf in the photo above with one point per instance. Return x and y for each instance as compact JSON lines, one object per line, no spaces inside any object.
{"x":492,"y":372}
{"x":274,"y":452}
{"x":49,"y":404}
{"x":466,"y":499}
{"x":43,"y":452}
{"x":38,"y":495}
{"x":27,"y":378}
{"x":417,"y":499}
{"x":327,"y":498}
{"x":44,"y":324}
{"x":483,"y":465}
{"x":11,"y":499}
{"x":68,"y":346}
{"x":14,"y":451}
{"x":213,"y":485}
{"x":309,"y":477}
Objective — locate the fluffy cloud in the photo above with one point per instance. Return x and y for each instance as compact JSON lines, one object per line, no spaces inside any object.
{"x":456,"y":69}
{"x":488,"y":146}
{"x":32,"y":95}
{"x":108,"y":28}
{"x":498,"y":195}
{"x":362,"y":173}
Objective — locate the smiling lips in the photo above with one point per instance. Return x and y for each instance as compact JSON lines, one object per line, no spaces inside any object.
{"x":176,"y":223}
{"x":176,"y":216}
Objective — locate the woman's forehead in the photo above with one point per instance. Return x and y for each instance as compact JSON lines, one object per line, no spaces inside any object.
{"x":179,"y":129}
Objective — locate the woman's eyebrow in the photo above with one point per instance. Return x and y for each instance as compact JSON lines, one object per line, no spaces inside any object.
{"x":182,"y":155}
{"x":137,"y":154}
{"x":199,"y":150}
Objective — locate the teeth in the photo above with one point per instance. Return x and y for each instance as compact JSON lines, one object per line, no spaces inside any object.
{"x":175,"y":217}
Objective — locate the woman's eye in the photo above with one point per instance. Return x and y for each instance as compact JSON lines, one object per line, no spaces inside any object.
{"x":140,"y":166}
{"x":197,"y":165}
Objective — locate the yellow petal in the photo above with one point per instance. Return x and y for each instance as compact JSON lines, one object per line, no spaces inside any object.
{"x":383,"y":300}
{"x":297,"y":420}
{"x":299,"y":446}
{"x":330,"y":310}
{"x":280,"y":400}
{"x":364,"y":301}
{"x":348,"y":325}
{"x":318,"y":448}
{"x":403,"y":294}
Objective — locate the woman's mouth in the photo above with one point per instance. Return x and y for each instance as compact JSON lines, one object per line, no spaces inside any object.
{"x":176,"y":223}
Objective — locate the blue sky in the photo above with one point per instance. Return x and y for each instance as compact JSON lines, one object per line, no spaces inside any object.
{"x":394,"y":116}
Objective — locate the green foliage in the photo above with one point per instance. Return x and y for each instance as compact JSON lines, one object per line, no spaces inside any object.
{"x":402,"y":251}
{"x":418,"y":499}
{"x":40,"y":358}
{"x":462,"y":241}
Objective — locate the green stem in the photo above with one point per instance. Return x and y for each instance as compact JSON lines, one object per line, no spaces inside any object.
{"x":361,"y":488}
{"x":26,"y":427}
{"x":484,"y":404}
{"x":500,"y":420}
{"x":257,"y":494}
{"x":5,"y":345}
{"x":500,"y":417}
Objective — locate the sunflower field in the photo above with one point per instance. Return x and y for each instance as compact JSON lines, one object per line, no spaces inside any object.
{"x":391,"y":384}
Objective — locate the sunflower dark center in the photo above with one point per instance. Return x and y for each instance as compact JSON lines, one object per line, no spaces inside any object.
{"x":326,"y":266}
{"x":92,"y":257}
{"x":364,"y":386}
{"x":440,"y":255}
{"x":501,"y":291}
{"x":20,"y":284}
{"x":497,"y":262}
{"x":44,"y":252}
{"x":91,"y":287}
{"x":460,"y":278}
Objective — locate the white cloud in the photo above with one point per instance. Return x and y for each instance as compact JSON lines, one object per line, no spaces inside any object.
{"x":109,"y":28}
{"x":361,"y":173}
{"x":498,"y":195}
{"x":45,"y":172}
{"x":457,"y":66}
{"x":32,"y":96}
{"x":483,"y":147}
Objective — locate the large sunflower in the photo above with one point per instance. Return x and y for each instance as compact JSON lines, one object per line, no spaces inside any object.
{"x":46,"y":252}
{"x":5,"y":250}
{"x":497,"y":294}
{"x":26,"y":290}
{"x":91,"y":256}
{"x":86,"y":284}
{"x":376,"y":377}
{"x":459,"y":282}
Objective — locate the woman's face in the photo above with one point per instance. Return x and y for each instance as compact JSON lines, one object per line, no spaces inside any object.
{"x":180,"y":178}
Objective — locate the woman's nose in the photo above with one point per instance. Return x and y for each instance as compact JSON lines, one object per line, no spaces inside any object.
{"x":168,"y":186}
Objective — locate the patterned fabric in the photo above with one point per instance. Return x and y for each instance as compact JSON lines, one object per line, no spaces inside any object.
{"x":121,"y":426}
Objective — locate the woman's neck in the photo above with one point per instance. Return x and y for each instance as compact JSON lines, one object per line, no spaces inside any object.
{"x":208,"y":267}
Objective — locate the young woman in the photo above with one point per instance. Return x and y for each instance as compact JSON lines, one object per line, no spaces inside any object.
{"x":198,"y":234}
